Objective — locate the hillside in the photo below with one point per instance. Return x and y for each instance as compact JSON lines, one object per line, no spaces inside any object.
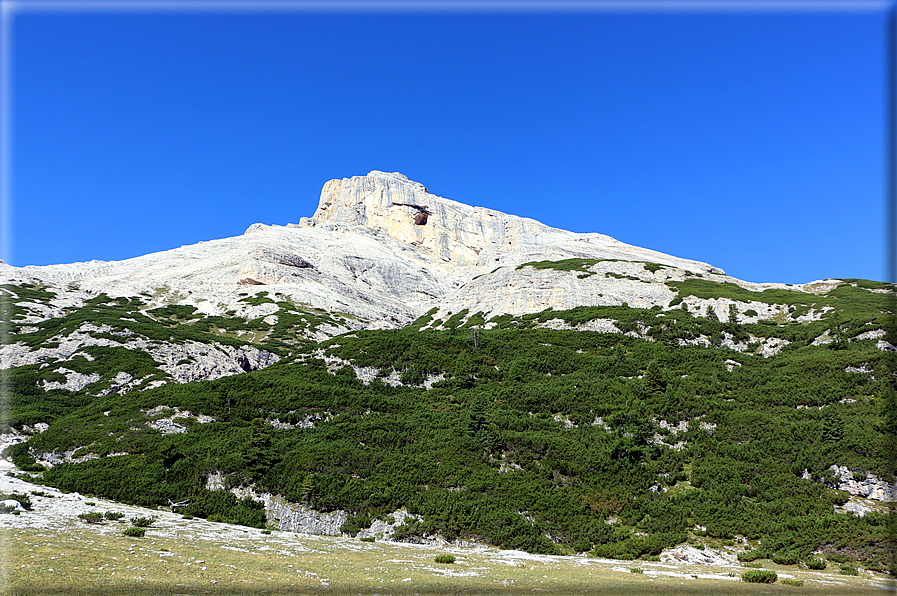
{"x":404,"y":365}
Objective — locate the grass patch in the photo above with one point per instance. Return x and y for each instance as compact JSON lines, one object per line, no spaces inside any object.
{"x":87,"y":561}
{"x":581,"y":265}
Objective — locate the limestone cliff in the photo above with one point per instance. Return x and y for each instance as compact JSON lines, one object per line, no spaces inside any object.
{"x":459,"y":234}
{"x":406,"y":211}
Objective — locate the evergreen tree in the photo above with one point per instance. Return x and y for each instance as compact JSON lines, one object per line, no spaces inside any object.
{"x":654,"y":381}
{"x":478,"y":419}
{"x":832,"y":425}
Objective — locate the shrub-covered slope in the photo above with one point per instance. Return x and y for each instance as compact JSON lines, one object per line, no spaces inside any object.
{"x":62,"y":346}
{"x":611,"y":429}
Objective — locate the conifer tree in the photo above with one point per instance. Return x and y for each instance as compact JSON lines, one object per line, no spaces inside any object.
{"x":832,"y":425}
{"x":653,"y":381}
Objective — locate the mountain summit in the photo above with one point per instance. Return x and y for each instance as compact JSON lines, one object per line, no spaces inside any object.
{"x":380,"y":251}
{"x":457,"y":233}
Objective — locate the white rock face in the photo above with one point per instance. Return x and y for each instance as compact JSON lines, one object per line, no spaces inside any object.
{"x":870,"y":488}
{"x":454,"y":232}
{"x":74,"y":381}
{"x":190,"y":361}
{"x":384,"y":530}
{"x":11,"y":504}
{"x":379,"y":247}
{"x":287,"y":516}
{"x":685,"y":553}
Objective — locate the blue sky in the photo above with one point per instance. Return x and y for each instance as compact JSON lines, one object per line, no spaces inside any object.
{"x":751,"y":140}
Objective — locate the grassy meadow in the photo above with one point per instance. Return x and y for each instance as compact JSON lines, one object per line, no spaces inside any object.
{"x":87,"y":560}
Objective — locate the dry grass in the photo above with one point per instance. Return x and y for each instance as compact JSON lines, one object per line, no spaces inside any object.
{"x":87,"y":560}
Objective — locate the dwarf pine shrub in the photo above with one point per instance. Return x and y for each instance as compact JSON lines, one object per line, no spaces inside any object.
{"x":143,"y":522}
{"x":816,"y":563}
{"x":94,"y":517}
{"x":759,"y":576}
{"x":789,"y":557}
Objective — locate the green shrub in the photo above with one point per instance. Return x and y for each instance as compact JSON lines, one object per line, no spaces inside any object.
{"x":789,"y":557}
{"x":816,"y":563}
{"x":836,"y":557}
{"x":113,"y":515}
{"x":24,"y":501}
{"x":636,"y":570}
{"x":143,"y":522}
{"x":186,"y":516}
{"x":134,"y":532}
{"x":759,"y":576}
{"x":793,"y":582}
{"x":848,"y":570}
{"x":266,"y":531}
{"x":749,"y":555}
{"x":94,"y":517}
{"x":356,"y":523}
{"x":562,"y":265}
{"x":385,"y":443}
{"x":368,"y":539}
{"x":446,"y":559}
{"x":581,"y":545}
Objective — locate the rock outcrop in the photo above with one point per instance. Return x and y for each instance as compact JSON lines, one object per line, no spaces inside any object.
{"x":183,"y":362}
{"x":870,"y":487}
{"x":457,"y":233}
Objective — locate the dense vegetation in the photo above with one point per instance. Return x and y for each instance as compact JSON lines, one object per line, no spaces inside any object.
{"x":534,"y":438}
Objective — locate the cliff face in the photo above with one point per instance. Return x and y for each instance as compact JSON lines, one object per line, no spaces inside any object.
{"x":460,"y":235}
{"x":405,"y":210}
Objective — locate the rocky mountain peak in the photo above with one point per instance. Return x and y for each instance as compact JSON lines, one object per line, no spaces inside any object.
{"x":405,"y":210}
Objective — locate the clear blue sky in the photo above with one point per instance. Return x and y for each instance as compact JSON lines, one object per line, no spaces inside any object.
{"x":750,"y":140}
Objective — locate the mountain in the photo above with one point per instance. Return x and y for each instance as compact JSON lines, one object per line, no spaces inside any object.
{"x":379,"y":247}
{"x":404,"y":365}
{"x":379,"y":252}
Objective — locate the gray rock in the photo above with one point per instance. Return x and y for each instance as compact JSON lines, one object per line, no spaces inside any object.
{"x":870,"y":488}
{"x":292,"y":517}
